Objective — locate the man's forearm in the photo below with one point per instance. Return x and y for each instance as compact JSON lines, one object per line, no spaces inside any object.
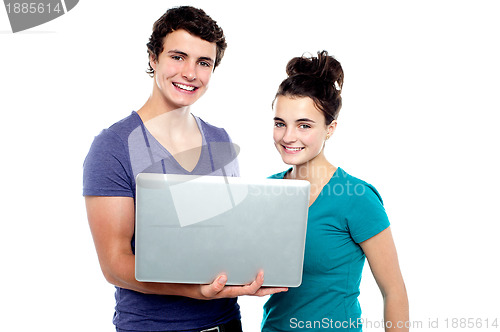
{"x":121,"y":273}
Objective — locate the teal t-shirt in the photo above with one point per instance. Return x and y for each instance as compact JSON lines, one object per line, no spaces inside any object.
{"x":347,"y":211}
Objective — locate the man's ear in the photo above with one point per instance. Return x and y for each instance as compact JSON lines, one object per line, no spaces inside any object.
{"x":152,"y":61}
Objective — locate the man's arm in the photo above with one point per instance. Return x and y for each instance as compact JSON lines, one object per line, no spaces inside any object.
{"x":111,"y":221}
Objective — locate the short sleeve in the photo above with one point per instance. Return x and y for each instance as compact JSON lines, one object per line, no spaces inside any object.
{"x":233,"y":167}
{"x":224,"y":153}
{"x":366,"y":216}
{"x":106,"y":170}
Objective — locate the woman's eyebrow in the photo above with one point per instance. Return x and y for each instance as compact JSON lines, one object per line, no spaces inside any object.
{"x":298,"y":120}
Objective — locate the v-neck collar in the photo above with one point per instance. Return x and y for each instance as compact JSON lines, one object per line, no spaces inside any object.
{"x":150,"y":139}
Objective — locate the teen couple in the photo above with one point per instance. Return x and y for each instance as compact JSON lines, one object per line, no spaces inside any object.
{"x":185,"y":47}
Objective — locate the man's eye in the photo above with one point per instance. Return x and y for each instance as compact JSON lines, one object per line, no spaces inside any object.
{"x":279,"y":124}
{"x":205,"y":64}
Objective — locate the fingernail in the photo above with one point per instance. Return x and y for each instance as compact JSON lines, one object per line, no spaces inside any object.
{"x":222,"y":280}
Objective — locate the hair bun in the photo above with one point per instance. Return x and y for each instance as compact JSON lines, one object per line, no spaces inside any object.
{"x":324,"y":67}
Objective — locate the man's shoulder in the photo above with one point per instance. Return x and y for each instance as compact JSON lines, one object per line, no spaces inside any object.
{"x":117,"y":134}
{"x":213,"y":133}
{"x":125,"y":125}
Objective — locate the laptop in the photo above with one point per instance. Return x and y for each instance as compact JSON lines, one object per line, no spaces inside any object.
{"x":191,"y":228}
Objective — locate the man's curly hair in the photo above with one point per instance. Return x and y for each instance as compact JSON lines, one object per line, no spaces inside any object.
{"x":193,"y":20}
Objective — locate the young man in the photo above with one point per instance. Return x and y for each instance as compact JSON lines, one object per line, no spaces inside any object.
{"x":162,"y":136}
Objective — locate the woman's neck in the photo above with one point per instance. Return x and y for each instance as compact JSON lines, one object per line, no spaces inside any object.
{"x":317,"y":171}
{"x":314,"y":170}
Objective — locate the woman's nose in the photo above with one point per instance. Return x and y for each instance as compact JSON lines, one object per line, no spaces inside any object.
{"x":289,"y":135}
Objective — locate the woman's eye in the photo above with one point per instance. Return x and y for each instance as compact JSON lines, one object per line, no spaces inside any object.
{"x":304,"y":126}
{"x":176,"y":57}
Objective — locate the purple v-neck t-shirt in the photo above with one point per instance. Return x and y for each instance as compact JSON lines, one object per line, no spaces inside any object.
{"x":115,"y":158}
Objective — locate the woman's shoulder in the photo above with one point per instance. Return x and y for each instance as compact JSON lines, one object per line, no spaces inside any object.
{"x":280,"y":175}
{"x":341,"y":175}
{"x":354,"y":186}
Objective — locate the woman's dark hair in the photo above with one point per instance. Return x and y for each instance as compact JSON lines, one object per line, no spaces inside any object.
{"x":320,"y":78}
{"x":193,"y":20}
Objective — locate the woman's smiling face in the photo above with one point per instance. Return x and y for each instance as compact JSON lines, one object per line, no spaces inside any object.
{"x":299,"y":129}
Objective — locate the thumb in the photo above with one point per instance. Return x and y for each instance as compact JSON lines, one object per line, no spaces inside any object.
{"x":215,"y":287}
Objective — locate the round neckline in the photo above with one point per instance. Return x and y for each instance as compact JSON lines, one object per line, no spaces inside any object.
{"x":322,"y":189}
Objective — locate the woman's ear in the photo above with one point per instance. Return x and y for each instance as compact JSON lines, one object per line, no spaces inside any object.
{"x":331,"y":129}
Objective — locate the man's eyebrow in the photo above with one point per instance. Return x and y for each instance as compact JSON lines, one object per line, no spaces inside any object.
{"x":305,"y":120}
{"x":206,"y":58}
{"x":178,"y":52}
{"x":203,"y":58}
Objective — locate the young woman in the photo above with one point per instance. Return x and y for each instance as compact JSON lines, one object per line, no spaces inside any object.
{"x":347,"y":221}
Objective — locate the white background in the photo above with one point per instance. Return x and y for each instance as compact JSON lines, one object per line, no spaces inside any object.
{"x":420,"y":122}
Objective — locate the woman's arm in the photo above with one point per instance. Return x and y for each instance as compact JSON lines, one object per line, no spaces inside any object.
{"x":111,"y":221}
{"x":382,"y":257}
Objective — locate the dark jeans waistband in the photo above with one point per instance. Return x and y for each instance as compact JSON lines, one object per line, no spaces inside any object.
{"x":231,"y":326}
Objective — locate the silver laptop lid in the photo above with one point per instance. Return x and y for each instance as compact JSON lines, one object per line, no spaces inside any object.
{"x":189,"y":229}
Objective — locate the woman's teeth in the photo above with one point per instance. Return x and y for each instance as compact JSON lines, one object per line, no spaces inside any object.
{"x":292,"y":149}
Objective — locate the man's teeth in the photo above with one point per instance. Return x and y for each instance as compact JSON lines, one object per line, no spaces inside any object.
{"x":184,"y":87}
